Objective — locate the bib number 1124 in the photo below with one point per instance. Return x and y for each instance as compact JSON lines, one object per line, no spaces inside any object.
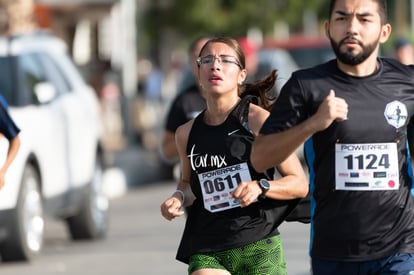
{"x":372,"y":166}
{"x":369,"y":161}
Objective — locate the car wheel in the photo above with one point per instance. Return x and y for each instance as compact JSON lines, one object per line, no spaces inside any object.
{"x":26,"y":228}
{"x":91,"y":222}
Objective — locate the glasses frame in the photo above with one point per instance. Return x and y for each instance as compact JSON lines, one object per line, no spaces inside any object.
{"x":219,"y":58}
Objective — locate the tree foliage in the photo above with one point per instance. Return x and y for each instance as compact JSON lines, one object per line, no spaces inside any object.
{"x":188,"y":19}
{"x":191,"y":18}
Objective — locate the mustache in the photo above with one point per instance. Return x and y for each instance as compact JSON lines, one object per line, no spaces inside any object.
{"x":350,"y":38}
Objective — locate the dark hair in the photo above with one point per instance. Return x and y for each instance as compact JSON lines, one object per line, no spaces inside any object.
{"x":262,"y":88}
{"x":382,"y":9}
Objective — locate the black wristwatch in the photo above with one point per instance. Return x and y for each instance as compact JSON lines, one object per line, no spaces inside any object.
{"x":265,"y":186}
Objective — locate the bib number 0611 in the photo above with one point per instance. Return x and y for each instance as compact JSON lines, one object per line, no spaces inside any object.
{"x":219,"y":184}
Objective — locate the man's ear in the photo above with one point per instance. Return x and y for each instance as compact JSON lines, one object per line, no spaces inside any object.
{"x":385,"y":33}
{"x":326,"y":27}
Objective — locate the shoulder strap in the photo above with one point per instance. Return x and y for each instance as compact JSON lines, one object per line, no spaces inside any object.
{"x":241,"y":112}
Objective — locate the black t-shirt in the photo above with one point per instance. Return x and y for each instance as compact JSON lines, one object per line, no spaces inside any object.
{"x":354,"y":225}
{"x":186,"y":106}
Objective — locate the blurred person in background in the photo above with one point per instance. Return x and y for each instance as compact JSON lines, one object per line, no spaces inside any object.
{"x":235,"y":210}
{"x":153,"y":83}
{"x":185,"y":106}
{"x":10,"y":131}
{"x":404,"y":51}
{"x":353,"y":113}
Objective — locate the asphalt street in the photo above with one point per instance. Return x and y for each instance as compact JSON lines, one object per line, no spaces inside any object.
{"x":151,"y":182}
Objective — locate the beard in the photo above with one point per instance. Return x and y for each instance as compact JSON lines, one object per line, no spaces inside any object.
{"x":348,"y":57}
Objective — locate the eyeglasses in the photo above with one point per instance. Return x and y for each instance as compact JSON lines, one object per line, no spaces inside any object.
{"x":222,"y":59}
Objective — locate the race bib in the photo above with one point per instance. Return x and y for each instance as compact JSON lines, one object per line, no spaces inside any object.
{"x":366,"y":167}
{"x":217,"y":185}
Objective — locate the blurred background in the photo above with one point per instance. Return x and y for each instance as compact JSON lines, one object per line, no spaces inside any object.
{"x":117,"y":43}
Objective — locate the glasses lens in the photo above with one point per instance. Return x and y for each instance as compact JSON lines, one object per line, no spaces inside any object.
{"x":222,"y":59}
{"x":207,"y":59}
{"x":226,"y":59}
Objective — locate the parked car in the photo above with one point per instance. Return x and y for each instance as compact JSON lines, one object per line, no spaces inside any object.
{"x":307,"y":51}
{"x":58,"y":169}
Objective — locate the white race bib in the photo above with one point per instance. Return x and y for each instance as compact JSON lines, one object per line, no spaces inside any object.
{"x":366,"y":167}
{"x":217,"y":185}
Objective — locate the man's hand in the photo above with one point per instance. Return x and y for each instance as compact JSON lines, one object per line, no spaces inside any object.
{"x":332,"y":109}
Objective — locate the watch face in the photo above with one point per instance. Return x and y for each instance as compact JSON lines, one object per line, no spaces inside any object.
{"x":265,"y":184}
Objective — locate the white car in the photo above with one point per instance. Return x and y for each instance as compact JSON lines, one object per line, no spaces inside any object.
{"x":58,"y":169}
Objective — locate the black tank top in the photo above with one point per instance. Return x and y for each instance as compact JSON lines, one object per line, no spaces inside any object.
{"x":218,"y":155}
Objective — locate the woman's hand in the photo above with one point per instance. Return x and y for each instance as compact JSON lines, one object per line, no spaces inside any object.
{"x":171,"y":208}
{"x":247,"y":192}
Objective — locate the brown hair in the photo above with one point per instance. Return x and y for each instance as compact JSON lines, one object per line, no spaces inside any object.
{"x":262,"y":88}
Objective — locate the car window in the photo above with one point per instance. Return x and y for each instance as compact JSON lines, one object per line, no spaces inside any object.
{"x":20,"y":75}
{"x":55,"y":75}
{"x":6,"y":80}
{"x":32,"y":74}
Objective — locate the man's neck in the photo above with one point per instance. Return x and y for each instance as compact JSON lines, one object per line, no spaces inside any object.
{"x":366,"y":68}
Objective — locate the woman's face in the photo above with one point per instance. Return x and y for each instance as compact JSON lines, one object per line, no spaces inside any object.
{"x":219,"y":71}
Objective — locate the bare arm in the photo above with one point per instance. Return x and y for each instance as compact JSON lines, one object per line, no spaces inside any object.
{"x":169,"y":148}
{"x":293,"y":183}
{"x":14,"y":146}
{"x":172,"y":207}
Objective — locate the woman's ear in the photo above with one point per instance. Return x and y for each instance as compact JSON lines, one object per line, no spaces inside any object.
{"x":242,"y":76}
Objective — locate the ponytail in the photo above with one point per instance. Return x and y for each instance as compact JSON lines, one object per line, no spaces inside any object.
{"x":262,"y":89}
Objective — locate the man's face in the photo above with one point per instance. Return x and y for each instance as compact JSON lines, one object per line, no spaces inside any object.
{"x":355,"y":30}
